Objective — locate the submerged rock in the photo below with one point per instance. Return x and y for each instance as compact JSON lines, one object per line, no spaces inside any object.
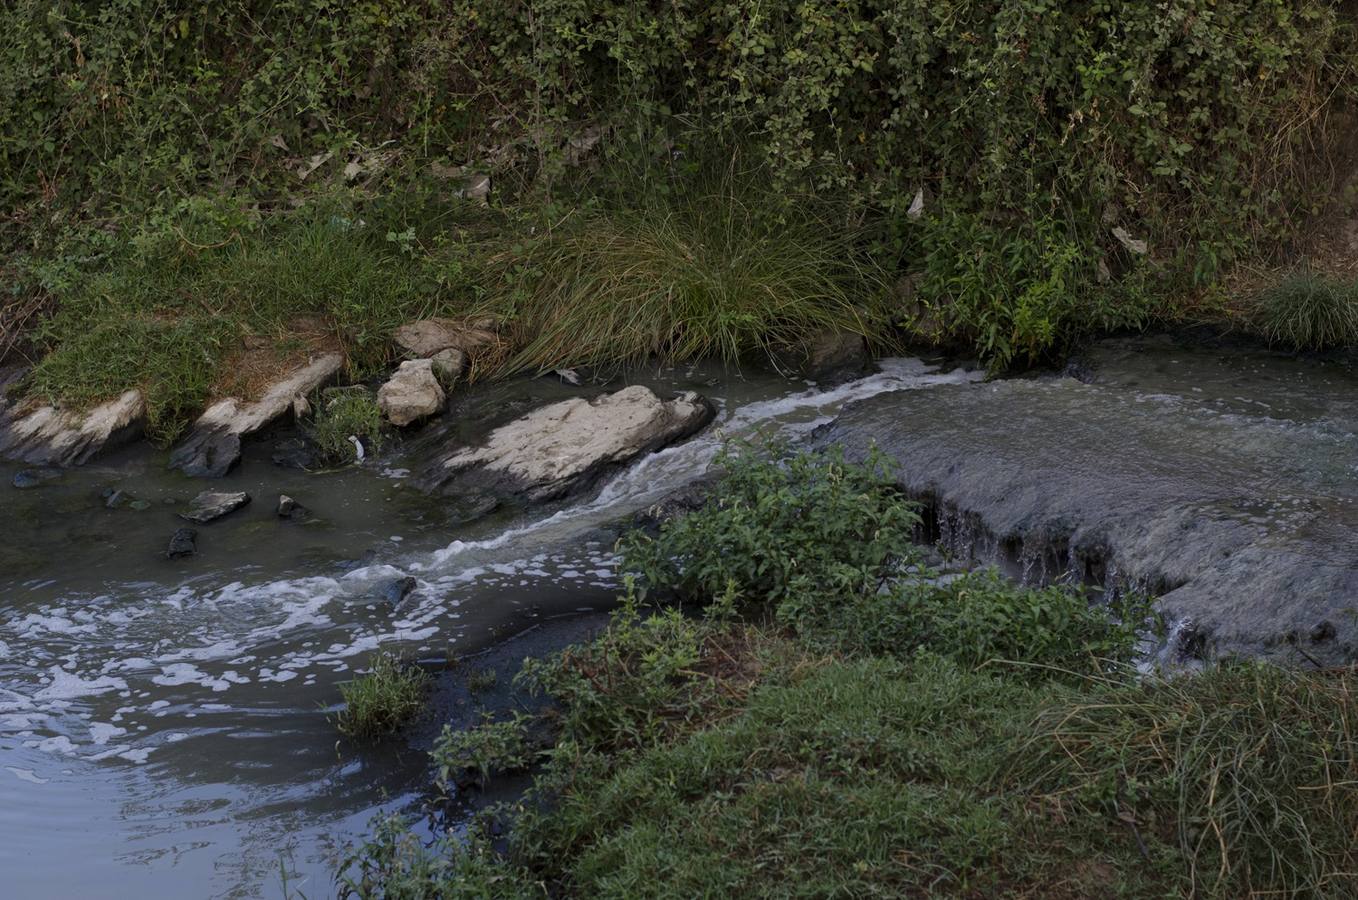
{"x":293,"y":453}
{"x":116,"y":498}
{"x":31,"y":478}
{"x":559,"y":448}
{"x":411,"y":394}
{"x":1221,"y":480}
{"x":182,"y":543}
{"x":54,"y":436}
{"x":213,"y":446}
{"x":212,"y":505}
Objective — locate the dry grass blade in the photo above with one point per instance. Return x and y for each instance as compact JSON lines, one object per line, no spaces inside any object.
{"x":1253,"y":769}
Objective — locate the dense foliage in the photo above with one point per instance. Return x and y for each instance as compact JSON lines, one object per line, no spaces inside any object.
{"x":1067,"y":164}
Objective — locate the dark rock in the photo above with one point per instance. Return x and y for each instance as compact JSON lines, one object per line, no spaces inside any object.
{"x":673,"y":506}
{"x":294,"y":453}
{"x":115,"y":498}
{"x":182,"y":543}
{"x":212,"y":505}
{"x":207,"y":453}
{"x":396,"y":590}
{"x":31,"y":478}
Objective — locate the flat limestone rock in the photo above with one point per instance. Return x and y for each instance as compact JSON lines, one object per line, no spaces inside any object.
{"x":209,"y":506}
{"x":53,"y":436}
{"x":412,"y":393}
{"x":427,"y":337}
{"x":213,"y":446}
{"x":1221,"y":480}
{"x":562,"y":447}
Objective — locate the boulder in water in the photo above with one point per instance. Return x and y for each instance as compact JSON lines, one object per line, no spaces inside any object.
{"x":213,"y":446}
{"x":411,"y":394}
{"x":396,"y":590}
{"x":826,"y":353}
{"x":562,"y":447}
{"x":289,"y":508}
{"x":182,"y":543}
{"x":212,"y":505}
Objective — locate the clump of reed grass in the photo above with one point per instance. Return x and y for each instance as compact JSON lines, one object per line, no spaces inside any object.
{"x":1310,"y":311}
{"x":380,"y":702}
{"x":686,"y":275}
{"x":1252,"y":770}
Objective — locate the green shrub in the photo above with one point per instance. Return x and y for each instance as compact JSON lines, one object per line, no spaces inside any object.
{"x":342,"y":413}
{"x":489,"y":747}
{"x":380,"y":702}
{"x":1017,"y":294}
{"x":1043,"y":127}
{"x":1309,"y":311}
{"x":792,"y":531}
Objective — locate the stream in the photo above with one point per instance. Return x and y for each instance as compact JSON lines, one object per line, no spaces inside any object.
{"x":164,"y":725}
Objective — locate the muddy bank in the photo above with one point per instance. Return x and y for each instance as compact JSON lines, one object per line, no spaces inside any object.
{"x":1223,"y":479}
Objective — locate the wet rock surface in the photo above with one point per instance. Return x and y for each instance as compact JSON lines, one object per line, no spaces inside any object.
{"x":559,"y":448}
{"x":214,"y":445}
{"x":1225,"y":481}
{"x":212,"y":505}
{"x":394,"y":591}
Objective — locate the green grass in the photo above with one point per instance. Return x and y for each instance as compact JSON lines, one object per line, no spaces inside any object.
{"x":380,"y":702}
{"x":1310,"y":311}
{"x":169,"y":309}
{"x":340,"y":414}
{"x":701,"y":270}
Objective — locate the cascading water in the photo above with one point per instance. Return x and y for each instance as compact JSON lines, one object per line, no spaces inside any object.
{"x":163,"y":729}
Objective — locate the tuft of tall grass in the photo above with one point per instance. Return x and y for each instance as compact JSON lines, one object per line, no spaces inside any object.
{"x":1310,"y":311}
{"x":682,"y":275}
{"x":380,"y":702}
{"x":1251,"y":769}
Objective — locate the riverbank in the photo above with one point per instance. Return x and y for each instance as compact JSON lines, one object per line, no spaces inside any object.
{"x":858,"y":725}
